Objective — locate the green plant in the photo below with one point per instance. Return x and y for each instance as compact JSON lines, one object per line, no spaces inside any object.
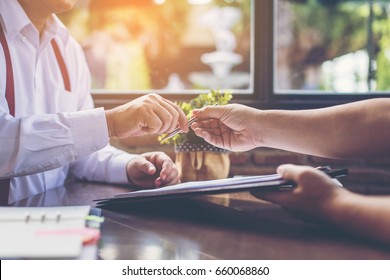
{"x":214,"y":97}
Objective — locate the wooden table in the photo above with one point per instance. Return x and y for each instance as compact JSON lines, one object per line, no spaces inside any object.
{"x":235,"y":226}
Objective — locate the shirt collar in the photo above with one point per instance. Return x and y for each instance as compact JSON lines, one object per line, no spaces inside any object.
{"x":15,"y":20}
{"x":55,"y":27}
{"x":14,"y":17}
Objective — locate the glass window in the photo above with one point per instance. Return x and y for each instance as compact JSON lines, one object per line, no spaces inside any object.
{"x":331,"y":46}
{"x":166,"y":46}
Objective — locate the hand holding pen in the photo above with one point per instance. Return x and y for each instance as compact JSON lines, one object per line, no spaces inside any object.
{"x":179,"y":130}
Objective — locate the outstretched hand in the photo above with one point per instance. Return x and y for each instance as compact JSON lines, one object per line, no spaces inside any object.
{"x":231,"y":127}
{"x":149,"y":114}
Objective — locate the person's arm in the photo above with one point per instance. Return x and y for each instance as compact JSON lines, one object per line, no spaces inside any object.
{"x":353,"y":130}
{"x":318,"y":196}
{"x":367,"y":216}
{"x":41,"y":142}
{"x":111,"y":165}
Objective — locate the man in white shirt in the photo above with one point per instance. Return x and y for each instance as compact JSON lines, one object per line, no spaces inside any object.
{"x":49,"y":129}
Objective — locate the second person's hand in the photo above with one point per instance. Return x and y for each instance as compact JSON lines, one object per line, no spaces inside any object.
{"x":233,"y":127}
{"x":149,"y":114}
{"x":316,"y":194}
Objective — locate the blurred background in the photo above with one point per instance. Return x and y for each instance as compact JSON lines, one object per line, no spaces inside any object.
{"x":316,"y":49}
{"x":164,"y":44}
{"x":340,"y":46}
{"x":332,"y":45}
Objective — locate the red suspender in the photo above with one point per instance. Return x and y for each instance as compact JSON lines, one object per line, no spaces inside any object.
{"x":10,"y":95}
{"x":9,"y":86}
{"x":62,"y":65}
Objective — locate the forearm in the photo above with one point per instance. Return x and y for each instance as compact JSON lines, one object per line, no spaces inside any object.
{"x":106,"y":165}
{"x":38,"y":143}
{"x":352,"y":130}
{"x":367,"y":216}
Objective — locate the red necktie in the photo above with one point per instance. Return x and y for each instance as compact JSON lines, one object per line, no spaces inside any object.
{"x":10,"y":96}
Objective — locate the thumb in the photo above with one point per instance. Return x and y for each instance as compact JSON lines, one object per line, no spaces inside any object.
{"x":289,"y":171}
{"x":286,"y":171}
{"x":214,"y":112}
{"x":299,"y":174}
{"x":145,"y":166}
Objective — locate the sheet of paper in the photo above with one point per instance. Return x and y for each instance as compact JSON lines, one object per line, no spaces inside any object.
{"x":272,"y":182}
{"x":222,"y":185}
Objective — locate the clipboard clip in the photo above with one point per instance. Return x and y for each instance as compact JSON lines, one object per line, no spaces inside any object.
{"x":333,"y":173}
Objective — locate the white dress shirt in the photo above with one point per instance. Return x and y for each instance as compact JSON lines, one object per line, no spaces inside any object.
{"x":55,"y":133}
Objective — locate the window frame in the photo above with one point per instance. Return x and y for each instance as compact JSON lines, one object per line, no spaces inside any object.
{"x":109,"y":98}
{"x":305,"y":100}
{"x":264,"y":95}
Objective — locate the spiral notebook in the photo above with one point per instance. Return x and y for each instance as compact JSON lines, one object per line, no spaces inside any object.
{"x":42,"y":232}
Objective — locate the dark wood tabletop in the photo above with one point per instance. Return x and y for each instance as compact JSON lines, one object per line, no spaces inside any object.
{"x":229,"y":226}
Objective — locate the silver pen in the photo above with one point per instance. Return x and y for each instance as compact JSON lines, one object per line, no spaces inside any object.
{"x":178,"y":130}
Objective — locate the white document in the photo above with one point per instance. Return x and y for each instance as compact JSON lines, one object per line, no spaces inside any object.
{"x":272,"y":182}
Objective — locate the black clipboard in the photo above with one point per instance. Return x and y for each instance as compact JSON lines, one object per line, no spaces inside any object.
{"x":272,"y":182}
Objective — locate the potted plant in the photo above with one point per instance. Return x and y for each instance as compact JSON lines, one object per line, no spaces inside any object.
{"x":195,"y":158}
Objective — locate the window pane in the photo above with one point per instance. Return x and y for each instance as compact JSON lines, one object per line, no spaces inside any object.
{"x":334,"y":46}
{"x":165,"y":45}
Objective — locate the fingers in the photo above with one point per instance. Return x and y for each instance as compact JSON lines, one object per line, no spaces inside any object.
{"x":288,"y":172}
{"x":169,"y":115}
{"x":165,"y":115}
{"x":212,"y":125}
{"x":153,"y":124}
{"x":169,"y":174}
{"x":210,"y":131}
{"x":209,"y":112}
{"x":181,"y":118}
{"x":143,"y":165}
{"x":302,"y":175}
{"x":307,"y":179}
{"x":149,"y":114}
{"x":206,"y":128}
{"x":215,"y":139}
{"x":202,"y":133}
{"x":176,"y":115}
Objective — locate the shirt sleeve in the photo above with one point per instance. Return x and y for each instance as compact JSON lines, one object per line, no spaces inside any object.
{"x":106,"y":165}
{"x":42,"y":142}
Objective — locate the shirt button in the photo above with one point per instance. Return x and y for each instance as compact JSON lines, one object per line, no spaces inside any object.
{"x":24,"y":39}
